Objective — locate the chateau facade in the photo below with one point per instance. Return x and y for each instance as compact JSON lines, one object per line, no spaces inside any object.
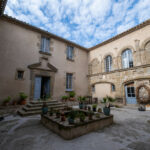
{"x":120,"y":67}
{"x":33,"y":60}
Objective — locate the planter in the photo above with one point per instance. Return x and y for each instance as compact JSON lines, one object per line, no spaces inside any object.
{"x":44,"y":110}
{"x":72,"y":99}
{"x":94,"y":109}
{"x":81,"y":105}
{"x":106,"y":111}
{"x":89,"y":108}
{"x":85,"y":107}
{"x":23,"y":102}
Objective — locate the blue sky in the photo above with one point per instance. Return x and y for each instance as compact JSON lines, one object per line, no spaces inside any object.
{"x":85,"y":22}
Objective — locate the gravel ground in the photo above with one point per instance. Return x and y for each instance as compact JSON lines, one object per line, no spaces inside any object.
{"x":131,"y":130}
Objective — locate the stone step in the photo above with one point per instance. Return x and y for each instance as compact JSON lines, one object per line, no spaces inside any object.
{"x":40,"y":104}
{"x":26,"y":108}
{"x":24,"y":113}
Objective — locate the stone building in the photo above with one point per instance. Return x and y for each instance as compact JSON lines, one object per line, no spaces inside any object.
{"x":120,"y":66}
{"x":35,"y":61}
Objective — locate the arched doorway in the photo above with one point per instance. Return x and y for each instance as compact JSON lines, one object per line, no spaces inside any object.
{"x":130,"y":93}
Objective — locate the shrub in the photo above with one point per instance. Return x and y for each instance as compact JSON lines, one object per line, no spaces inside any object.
{"x":7,"y":100}
{"x":64,"y":97}
{"x":72,"y":94}
{"x":72,"y":114}
{"x":82,"y":116}
{"x":23,"y":96}
{"x":81,"y":98}
{"x":94,"y":105}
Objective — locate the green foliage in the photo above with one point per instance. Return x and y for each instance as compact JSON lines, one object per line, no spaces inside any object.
{"x":73,"y":114}
{"x":64,"y":97}
{"x":7,"y":100}
{"x":108,"y":99}
{"x":82,"y":116}
{"x":23,"y":96}
{"x":72,"y":94}
{"x":81,"y":98}
{"x":94,"y":106}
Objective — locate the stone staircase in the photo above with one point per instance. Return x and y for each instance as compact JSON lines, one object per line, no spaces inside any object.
{"x":33,"y":107}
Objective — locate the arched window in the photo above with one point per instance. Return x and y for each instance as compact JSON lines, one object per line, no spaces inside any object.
{"x":127,"y":61}
{"x":108,"y":63}
{"x":147,"y":46}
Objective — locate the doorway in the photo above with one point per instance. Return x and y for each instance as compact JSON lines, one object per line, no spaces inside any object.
{"x":130,"y":94}
{"x":41,"y":87}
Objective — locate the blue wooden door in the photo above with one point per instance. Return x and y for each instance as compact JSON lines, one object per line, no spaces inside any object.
{"x":130,"y":95}
{"x":37,"y":88}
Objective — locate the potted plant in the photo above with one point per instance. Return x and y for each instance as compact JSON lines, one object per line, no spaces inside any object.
{"x":89,"y":108}
{"x":80,"y":102}
{"x":90,"y":115}
{"x":94,"y":106}
{"x":82,"y":116}
{"x":6,"y":101}
{"x":72,"y":95}
{"x":14,"y":102}
{"x":64,"y":98}
{"x":106,"y":101}
{"x":44,"y":108}
{"x":23,"y":97}
{"x":71,"y":117}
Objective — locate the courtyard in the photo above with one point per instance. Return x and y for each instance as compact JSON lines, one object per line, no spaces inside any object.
{"x":131,"y":130}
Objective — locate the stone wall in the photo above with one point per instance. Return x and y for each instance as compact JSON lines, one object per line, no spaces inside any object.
{"x":139,"y":43}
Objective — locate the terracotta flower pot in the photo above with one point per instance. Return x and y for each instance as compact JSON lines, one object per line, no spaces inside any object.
{"x":23,"y":102}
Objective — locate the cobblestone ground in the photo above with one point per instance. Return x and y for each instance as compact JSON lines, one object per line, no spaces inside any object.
{"x":131,"y":130}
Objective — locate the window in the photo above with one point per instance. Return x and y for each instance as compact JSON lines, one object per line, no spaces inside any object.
{"x":127,"y":61}
{"x":45,"y":44}
{"x":130,"y":92}
{"x":93,"y":88}
{"x":70,"y":52}
{"x":108,"y":63}
{"x":69,"y":77}
{"x":20,"y":74}
{"x":113,"y":88}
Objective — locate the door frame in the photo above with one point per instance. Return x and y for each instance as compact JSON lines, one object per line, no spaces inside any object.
{"x":42,"y":73}
{"x":126,"y":96}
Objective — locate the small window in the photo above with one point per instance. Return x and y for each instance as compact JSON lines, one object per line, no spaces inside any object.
{"x":113,"y":88}
{"x":20,"y":74}
{"x":70,"y":52}
{"x":69,"y":77}
{"x":45,"y":44}
{"x":93,"y":88}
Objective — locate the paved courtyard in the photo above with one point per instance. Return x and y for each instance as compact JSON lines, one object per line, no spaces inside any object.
{"x":131,"y":130}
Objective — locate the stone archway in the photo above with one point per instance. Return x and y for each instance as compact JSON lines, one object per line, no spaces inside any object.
{"x":143,"y":94}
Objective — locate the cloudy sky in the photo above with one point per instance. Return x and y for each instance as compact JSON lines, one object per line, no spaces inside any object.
{"x":85,"y":22}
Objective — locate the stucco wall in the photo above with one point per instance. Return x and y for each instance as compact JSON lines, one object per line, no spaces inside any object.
{"x":19,"y":47}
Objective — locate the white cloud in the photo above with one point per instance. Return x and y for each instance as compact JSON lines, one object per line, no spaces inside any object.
{"x":86,"y":22}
